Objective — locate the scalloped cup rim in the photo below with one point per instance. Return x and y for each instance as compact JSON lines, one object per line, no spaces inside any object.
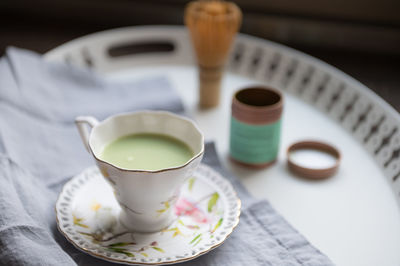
{"x":192,"y":159}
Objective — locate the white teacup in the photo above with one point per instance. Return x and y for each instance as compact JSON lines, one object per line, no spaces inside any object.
{"x":141,"y":193}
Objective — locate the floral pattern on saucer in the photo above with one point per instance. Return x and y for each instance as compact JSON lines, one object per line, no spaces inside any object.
{"x":206,"y":213}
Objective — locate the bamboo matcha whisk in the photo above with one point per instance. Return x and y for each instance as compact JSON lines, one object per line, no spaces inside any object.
{"x":212,"y":26}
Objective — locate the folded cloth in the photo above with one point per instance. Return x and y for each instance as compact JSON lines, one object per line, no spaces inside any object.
{"x":40,"y":150}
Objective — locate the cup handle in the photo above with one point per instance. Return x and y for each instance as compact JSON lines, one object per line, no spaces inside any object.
{"x":83,"y":123}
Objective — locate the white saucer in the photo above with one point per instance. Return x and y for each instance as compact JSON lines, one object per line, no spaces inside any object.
{"x":207,"y":212}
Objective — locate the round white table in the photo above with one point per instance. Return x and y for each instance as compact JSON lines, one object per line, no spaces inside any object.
{"x":353,"y":217}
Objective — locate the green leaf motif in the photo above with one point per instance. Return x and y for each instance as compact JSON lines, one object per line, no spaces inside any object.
{"x":212,"y":201}
{"x":86,"y":234}
{"x":166,"y":204}
{"x":191,"y":183}
{"x":198,"y":241}
{"x":77,"y":221}
{"x":217,"y":225}
{"x":117,"y":249}
{"x":175,"y":230}
{"x":122,"y":251}
{"x":144,"y":254}
{"x":128,"y":254}
{"x":194,"y":239}
{"x":82,"y":225}
{"x":158,"y":249}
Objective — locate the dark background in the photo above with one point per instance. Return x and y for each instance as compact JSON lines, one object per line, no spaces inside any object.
{"x":360,"y":37}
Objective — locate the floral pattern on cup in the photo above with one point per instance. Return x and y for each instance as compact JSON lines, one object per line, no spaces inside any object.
{"x":140,"y":191}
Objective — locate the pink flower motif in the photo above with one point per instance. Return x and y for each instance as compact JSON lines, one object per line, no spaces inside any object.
{"x":184,"y":207}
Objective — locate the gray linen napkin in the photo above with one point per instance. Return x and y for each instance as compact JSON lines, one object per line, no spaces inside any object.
{"x":40,"y":150}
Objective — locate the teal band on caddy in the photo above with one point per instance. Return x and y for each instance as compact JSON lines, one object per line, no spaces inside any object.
{"x":254,"y":144}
